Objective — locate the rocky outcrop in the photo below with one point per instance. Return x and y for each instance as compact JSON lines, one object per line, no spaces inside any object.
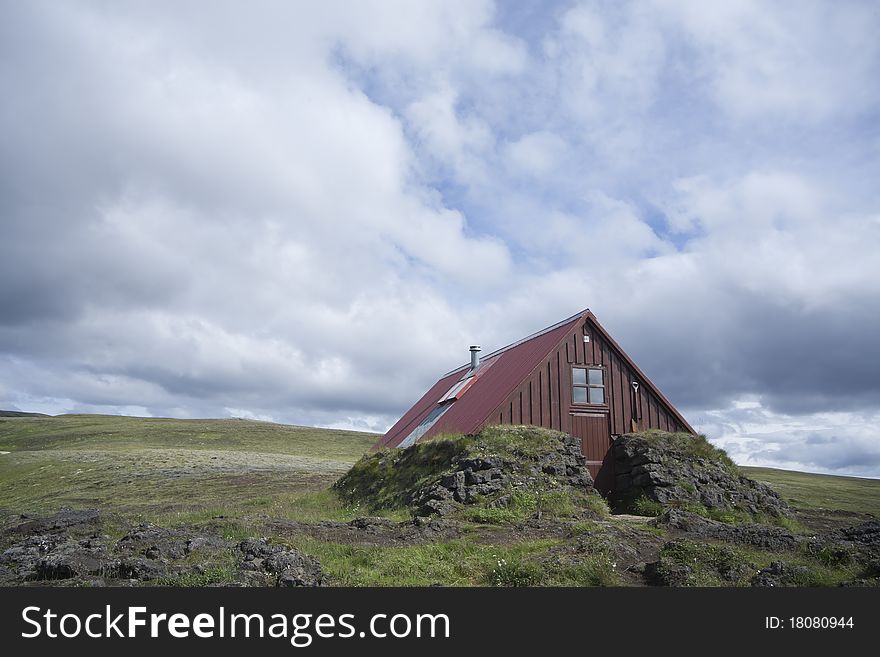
{"x":155,"y":542}
{"x":69,"y":559}
{"x":867,"y":534}
{"x":685,"y":562}
{"x":69,"y":548}
{"x":492,"y":479}
{"x":780,"y":573}
{"x":486,"y":470}
{"x":469,"y":480}
{"x":279,"y":565}
{"x":679,"y":548}
{"x":83,"y":521}
{"x":765,"y":537}
{"x":675,"y":469}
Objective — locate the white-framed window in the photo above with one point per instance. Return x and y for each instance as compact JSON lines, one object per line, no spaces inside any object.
{"x":588,"y":385}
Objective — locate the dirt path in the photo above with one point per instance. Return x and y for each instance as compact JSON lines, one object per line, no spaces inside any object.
{"x":627,"y":517}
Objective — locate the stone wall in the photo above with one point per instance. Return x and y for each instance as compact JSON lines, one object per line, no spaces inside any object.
{"x":666,"y":469}
{"x":487,"y":470}
{"x":495,"y":477}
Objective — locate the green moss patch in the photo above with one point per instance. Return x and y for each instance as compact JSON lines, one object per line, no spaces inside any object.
{"x":501,"y":475}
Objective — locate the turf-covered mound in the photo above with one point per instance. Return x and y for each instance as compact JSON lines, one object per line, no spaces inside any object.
{"x":655,"y":470}
{"x":501,"y":474}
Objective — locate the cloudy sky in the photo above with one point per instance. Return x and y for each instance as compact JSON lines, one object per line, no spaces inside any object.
{"x":305,"y":212}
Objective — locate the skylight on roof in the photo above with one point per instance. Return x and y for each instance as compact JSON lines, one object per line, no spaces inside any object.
{"x":456,"y":391}
{"x":425,"y":425}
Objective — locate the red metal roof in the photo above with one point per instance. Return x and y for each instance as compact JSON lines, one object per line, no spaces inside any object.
{"x":497,"y":376}
{"x":413,"y":417}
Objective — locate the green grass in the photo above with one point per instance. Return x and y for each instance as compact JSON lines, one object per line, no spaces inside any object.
{"x":713,"y":564}
{"x":642,"y":506}
{"x":212,"y":575}
{"x":393,"y":478}
{"x":235,"y":477}
{"x":456,"y":563}
{"x":695,"y":446}
{"x":523,"y":505}
{"x":122,"y":432}
{"x":646,"y":507}
{"x":822,"y":492}
{"x":513,"y":442}
{"x":387,"y":478}
{"x":167,"y":470}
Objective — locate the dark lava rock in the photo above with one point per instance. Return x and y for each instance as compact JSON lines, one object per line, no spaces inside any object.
{"x":69,"y":550}
{"x":867,"y":533}
{"x":662,"y":574}
{"x":684,"y":562}
{"x":153,"y":542}
{"x":479,"y":464}
{"x":255,"y":578}
{"x":438,"y":478}
{"x":70,"y":560}
{"x":202,"y":543}
{"x":856,"y":547}
{"x":434,"y":504}
{"x":287,"y":566}
{"x":63,"y":521}
{"x":765,"y":537}
{"x":780,"y":573}
{"x":140,"y":568}
{"x":51,"y":557}
{"x":666,"y":468}
{"x":429,"y":525}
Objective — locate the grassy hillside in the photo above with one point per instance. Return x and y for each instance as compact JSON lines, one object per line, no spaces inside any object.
{"x":155,"y":467}
{"x":236,"y":479}
{"x":822,"y":492}
{"x":119,"y":432}
{"x":165,"y":469}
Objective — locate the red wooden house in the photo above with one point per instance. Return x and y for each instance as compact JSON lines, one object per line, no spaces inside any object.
{"x":571,"y":376}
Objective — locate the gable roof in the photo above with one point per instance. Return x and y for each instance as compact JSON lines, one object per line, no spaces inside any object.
{"x":635,"y":368}
{"x":498,"y":375}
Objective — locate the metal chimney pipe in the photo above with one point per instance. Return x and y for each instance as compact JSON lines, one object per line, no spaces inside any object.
{"x":475,"y":356}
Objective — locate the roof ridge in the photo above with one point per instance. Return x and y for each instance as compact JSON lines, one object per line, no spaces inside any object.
{"x":638,"y":371}
{"x":537,"y":334}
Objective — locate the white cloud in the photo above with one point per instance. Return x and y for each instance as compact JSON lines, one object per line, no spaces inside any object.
{"x":427,"y":34}
{"x":457,"y":142}
{"x":805,"y":61}
{"x":833,"y":443}
{"x":537,"y":153}
{"x":609,"y":61}
{"x":308,"y":212}
{"x":778,"y":233}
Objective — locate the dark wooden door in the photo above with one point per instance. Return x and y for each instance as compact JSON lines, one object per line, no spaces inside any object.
{"x":595,"y":435}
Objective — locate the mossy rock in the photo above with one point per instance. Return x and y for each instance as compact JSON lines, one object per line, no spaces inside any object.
{"x":656,"y":470}
{"x":500,"y":475}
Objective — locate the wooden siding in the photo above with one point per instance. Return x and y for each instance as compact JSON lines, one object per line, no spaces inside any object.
{"x":544,"y":398}
{"x":530,"y":382}
{"x":549,"y":388}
